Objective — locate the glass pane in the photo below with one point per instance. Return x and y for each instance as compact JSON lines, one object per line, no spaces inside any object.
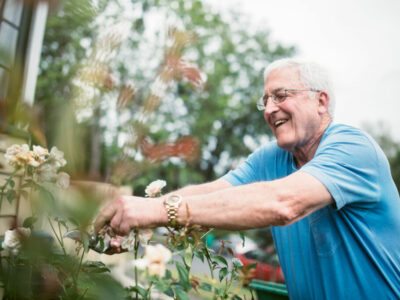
{"x":12,"y":11}
{"x":4,"y":74}
{"x":8,"y":42}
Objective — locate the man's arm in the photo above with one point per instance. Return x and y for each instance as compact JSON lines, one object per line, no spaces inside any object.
{"x":204,"y":188}
{"x":278,"y":202}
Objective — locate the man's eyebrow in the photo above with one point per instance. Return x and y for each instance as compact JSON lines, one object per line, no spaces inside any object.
{"x":277,"y":90}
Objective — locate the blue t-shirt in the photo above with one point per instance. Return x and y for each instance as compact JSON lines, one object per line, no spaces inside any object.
{"x":348,"y":250}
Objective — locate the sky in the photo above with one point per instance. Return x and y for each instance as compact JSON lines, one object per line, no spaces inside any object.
{"x":358,"y":41}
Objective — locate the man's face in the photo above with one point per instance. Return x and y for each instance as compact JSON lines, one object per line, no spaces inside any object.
{"x":294,"y":122}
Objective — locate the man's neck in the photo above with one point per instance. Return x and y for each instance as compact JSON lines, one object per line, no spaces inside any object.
{"x":304,"y":154}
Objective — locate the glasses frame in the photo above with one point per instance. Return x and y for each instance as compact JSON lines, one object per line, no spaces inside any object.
{"x":262,"y":101}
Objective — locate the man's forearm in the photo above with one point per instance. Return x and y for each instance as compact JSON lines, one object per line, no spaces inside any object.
{"x":204,"y":188}
{"x":232,"y":208}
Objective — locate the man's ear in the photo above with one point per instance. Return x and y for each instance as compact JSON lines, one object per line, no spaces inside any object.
{"x":323,"y":102}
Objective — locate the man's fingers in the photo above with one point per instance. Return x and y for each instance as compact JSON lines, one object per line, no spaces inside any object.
{"x":116,"y":220}
{"x":124,"y":228}
{"x":115,"y":244}
{"x":106,"y":215}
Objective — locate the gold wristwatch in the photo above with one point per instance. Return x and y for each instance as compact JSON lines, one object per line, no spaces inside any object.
{"x":171,"y":204}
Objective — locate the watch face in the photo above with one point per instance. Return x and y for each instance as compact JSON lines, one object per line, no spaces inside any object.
{"x":173,"y":199}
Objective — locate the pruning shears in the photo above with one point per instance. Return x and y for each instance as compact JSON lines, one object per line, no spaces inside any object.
{"x":94,"y":242}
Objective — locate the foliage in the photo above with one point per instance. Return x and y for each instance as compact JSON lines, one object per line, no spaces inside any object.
{"x":380,"y":131}
{"x":32,"y":265}
{"x":231,"y":57}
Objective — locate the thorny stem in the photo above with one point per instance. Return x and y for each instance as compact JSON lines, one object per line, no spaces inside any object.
{"x":136,"y":255}
{"x":79,"y":267}
{"x":205,"y":234}
{"x":61,"y":239}
{"x":149,"y":290}
{"x":58,"y":238}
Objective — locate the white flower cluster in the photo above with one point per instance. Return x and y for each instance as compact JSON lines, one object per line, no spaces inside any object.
{"x":45,"y":164}
{"x":12,"y":239}
{"x":128,"y":242}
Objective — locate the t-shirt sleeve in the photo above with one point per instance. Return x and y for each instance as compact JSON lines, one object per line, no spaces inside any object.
{"x":246,"y":172}
{"x":257,"y":167}
{"x":347,"y":164}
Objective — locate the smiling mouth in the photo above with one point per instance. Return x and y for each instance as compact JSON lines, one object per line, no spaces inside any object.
{"x":279,"y":123}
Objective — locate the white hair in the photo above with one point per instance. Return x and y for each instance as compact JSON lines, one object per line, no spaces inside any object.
{"x":312,"y":75}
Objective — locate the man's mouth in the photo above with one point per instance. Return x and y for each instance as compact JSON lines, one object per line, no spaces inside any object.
{"x":279,"y":122}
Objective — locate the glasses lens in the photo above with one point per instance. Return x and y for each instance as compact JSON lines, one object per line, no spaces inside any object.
{"x":279,"y":97}
{"x":260,"y":104}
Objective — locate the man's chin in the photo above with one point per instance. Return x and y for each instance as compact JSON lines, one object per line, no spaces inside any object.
{"x":284,"y":144}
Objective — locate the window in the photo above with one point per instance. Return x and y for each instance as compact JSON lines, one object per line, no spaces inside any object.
{"x":14,"y":23}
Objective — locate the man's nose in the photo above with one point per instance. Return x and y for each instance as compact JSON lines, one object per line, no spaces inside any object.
{"x":270,"y":108}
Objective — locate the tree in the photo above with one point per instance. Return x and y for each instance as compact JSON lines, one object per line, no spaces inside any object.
{"x":223,"y":116}
{"x":380,"y":131}
{"x":221,"y":119}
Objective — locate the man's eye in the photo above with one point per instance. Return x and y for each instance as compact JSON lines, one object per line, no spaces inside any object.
{"x":280,"y":96}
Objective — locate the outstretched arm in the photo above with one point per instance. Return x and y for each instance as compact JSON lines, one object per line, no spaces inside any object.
{"x":278,"y":202}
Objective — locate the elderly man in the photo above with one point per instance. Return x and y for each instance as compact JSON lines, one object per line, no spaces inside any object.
{"x":325,"y":188}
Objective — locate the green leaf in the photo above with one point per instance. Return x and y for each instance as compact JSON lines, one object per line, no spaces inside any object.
{"x":168,"y":274}
{"x":85,"y":241}
{"x":183,"y":275}
{"x":63,"y":223}
{"x":47,"y":197}
{"x":199,"y":255}
{"x":242,"y":237}
{"x":11,"y":195}
{"x":137,"y":289}
{"x":28,"y":222}
{"x":236,"y":297}
{"x":222,"y":273}
{"x":169,"y":292}
{"x":94,"y":263}
{"x":251,"y":266}
{"x":237,"y":263}
{"x":188,"y":256}
{"x":73,"y":221}
{"x":11,"y":182}
{"x":220,"y":259}
{"x":180,"y":294}
{"x":206,"y":287}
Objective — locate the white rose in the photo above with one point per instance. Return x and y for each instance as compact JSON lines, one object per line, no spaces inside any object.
{"x":12,"y":239}
{"x":62,"y":180}
{"x":157,"y":269}
{"x":145,"y":236}
{"x":128,"y":242}
{"x":18,"y":155}
{"x":155,"y":259}
{"x":39,"y":155}
{"x":45,"y":172}
{"x":56,"y":158}
{"x":154,"y":188}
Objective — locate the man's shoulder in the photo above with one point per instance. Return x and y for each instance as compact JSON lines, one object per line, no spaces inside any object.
{"x":350,"y":141}
{"x":346,"y":133}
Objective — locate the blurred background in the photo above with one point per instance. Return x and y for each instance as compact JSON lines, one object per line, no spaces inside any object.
{"x":133,"y":91}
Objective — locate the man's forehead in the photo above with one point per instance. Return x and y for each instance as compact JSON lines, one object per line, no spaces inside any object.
{"x":283,"y":78}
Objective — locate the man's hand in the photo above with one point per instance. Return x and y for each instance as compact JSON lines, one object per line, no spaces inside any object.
{"x":127,"y":212}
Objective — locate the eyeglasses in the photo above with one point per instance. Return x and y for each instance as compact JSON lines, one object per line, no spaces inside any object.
{"x":279,"y":96}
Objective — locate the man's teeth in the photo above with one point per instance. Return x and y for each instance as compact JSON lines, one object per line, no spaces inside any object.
{"x":279,"y":122}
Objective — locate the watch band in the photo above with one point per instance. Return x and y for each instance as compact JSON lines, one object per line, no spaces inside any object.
{"x":171,"y":204}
